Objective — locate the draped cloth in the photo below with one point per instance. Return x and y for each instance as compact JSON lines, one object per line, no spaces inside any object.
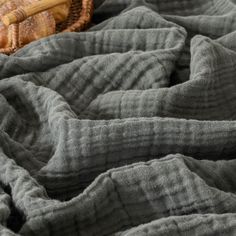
{"x":126,"y":129}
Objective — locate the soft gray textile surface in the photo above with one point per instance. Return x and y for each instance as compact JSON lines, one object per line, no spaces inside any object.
{"x":126,"y":129}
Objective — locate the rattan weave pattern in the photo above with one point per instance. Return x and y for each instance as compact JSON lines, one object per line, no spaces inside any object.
{"x":81,"y":12}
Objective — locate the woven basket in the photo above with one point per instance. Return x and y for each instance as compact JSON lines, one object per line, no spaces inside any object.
{"x":79,"y":18}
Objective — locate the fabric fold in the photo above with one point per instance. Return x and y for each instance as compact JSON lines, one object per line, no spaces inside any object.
{"x":125,"y":129}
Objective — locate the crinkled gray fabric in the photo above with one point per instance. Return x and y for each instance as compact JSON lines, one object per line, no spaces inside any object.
{"x":126,"y":129}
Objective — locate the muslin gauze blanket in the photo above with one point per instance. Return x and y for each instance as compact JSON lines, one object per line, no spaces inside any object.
{"x":126,"y":129}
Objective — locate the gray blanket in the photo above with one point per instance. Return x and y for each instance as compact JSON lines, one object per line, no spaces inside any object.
{"x":126,"y":129}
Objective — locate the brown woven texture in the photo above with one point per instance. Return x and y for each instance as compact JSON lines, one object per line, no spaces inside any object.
{"x":80,"y":16}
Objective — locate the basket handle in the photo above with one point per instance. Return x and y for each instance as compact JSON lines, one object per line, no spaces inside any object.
{"x":22,"y":13}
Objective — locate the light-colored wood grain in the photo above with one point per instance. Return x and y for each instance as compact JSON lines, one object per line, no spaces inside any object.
{"x":22,"y":13}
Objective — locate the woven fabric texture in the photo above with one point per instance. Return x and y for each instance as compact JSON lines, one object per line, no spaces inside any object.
{"x":126,"y":129}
